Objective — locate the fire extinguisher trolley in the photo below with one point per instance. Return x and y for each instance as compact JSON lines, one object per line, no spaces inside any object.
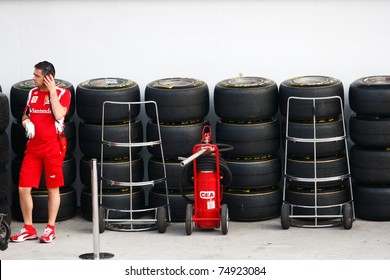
{"x":209,"y":169}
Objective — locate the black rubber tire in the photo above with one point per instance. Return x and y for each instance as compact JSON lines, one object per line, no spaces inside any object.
{"x":370,"y":166}
{"x":249,"y":138}
{"x":5,"y":184}
{"x":19,"y":93}
{"x":246,"y":98}
{"x":4,"y":112}
{"x":371,"y":202}
{"x":113,"y":199}
{"x":224,"y":219}
{"x":66,"y":211}
{"x":173,"y":171}
{"x":102,"y":214}
{"x":325,"y":197}
{"x":107,"y":89}
{"x":5,"y":208}
{"x":370,"y":96}
{"x":19,"y":139}
{"x":255,"y":171}
{"x":177,"y":99}
{"x":347,"y":213}
{"x":4,"y":149}
{"x":161,"y":223}
{"x":157,"y":198}
{"x":178,"y":140}
{"x":370,"y":132}
{"x":285,"y":219}
{"x":253,"y":204}
{"x":71,"y":136}
{"x":189,"y":226}
{"x":116,"y":169}
{"x":311,"y":87}
{"x":327,"y":167}
{"x":69,"y":170}
{"x":305,"y":130}
{"x":90,"y":135}
{"x":3,"y":244}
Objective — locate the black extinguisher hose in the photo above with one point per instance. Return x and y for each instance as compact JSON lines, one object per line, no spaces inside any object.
{"x":206,"y":162}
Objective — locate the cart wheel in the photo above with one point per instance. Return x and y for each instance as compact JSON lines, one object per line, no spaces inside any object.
{"x":5,"y":230}
{"x":224,"y":219}
{"x":5,"y":233}
{"x":347,"y":215}
{"x":161,"y":219}
{"x":189,"y":223}
{"x":102,"y":217}
{"x":285,"y":216}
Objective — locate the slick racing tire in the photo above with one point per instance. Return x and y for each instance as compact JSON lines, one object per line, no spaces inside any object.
{"x":330,"y":169}
{"x":255,"y":172}
{"x":4,"y":149}
{"x":4,"y":112}
{"x":178,"y":99}
{"x":372,"y":202}
{"x":115,"y":199}
{"x":177,"y":203}
{"x":246,"y":98}
{"x":370,"y":165}
{"x":178,"y":140}
{"x":115,"y":169}
{"x":311,"y":87}
{"x":103,"y":90}
{"x":253,"y":204}
{"x":90,"y":136}
{"x":370,"y":132}
{"x":370,"y":96}
{"x":252,"y":138}
{"x":334,"y":196}
{"x":324,"y":129}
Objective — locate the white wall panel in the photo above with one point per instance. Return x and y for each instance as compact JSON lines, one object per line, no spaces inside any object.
{"x":211,"y":40}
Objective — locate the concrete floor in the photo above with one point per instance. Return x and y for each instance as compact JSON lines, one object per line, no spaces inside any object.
{"x":263,"y":240}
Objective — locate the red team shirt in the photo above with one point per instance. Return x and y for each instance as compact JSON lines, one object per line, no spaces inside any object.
{"x":39,"y":110}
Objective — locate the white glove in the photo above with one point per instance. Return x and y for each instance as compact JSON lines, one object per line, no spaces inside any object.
{"x":29,"y":127}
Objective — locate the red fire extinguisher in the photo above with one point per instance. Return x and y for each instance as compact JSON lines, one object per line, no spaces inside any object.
{"x":209,"y":170}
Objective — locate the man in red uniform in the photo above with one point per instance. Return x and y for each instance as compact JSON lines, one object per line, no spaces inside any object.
{"x":43,"y":119}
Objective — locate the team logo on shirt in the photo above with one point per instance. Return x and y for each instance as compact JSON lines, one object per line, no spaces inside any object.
{"x":34,"y":99}
{"x":47,"y":100}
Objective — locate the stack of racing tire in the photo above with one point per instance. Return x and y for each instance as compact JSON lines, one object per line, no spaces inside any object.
{"x":312,"y":107}
{"x":369,"y":99}
{"x":121,"y":164}
{"x":18,"y":98}
{"x":247,"y":108}
{"x":4,"y":150}
{"x":183,"y":105}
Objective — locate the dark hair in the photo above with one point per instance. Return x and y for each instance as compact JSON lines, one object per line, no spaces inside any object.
{"x":46,"y":67}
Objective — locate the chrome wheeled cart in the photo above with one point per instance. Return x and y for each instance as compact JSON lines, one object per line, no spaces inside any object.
{"x":321,"y":214}
{"x":136,"y":219}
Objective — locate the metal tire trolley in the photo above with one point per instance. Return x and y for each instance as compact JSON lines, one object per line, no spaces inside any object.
{"x":151,"y":218}
{"x":346,"y":214}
